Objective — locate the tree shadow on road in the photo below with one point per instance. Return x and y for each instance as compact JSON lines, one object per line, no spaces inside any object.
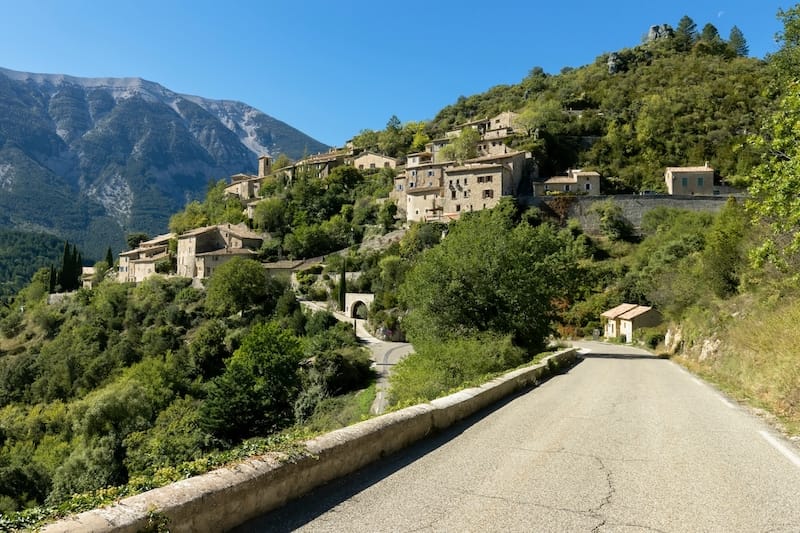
{"x":303,"y":510}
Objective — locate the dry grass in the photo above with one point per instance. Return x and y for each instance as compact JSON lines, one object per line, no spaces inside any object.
{"x":759,"y":361}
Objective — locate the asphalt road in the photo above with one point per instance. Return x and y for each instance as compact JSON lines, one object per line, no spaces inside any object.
{"x":623,"y":442}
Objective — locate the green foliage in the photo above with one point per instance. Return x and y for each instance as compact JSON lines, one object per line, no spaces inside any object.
{"x":463,"y":147}
{"x":436,"y":368}
{"x":613,"y":223}
{"x":775,"y":184}
{"x":240,"y":285}
{"x":488,"y":275}
{"x":217,"y":208}
{"x":21,"y":255}
{"x":256,"y":393}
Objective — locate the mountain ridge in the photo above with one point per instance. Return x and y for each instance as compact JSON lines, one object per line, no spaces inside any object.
{"x":90,"y":159}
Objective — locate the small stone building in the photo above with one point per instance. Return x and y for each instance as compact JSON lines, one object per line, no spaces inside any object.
{"x":623,"y":320}
{"x":690,"y":180}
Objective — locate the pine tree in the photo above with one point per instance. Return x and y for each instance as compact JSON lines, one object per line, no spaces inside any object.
{"x":685,"y":34}
{"x":737,"y":42}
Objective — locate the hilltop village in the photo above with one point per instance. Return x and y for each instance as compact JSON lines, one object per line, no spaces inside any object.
{"x":437,"y":184}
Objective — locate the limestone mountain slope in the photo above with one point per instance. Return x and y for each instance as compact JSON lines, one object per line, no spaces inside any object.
{"x":89,"y":159}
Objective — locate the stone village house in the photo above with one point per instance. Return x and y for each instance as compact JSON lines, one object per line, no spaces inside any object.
{"x":137,"y":264}
{"x":203,"y":250}
{"x":623,"y":320}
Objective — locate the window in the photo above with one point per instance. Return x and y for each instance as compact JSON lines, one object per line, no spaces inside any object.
{"x":466,"y":194}
{"x":465,"y":181}
{"x":480,"y":179}
{"x":488,"y":179}
{"x":700,"y":181}
{"x":566,"y":188}
{"x":360,"y":167}
{"x":488,"y":193}
{"x":414,"y":173}
{"x":452,"y":195}
{"x":399,"y":187}
{"x":588,"y":186}
{"x":684,"y":182}
{"x":410,"y":184}
{"x":372,"y":165}
{"x":458,"y":207}
{"x":430,"y":173}
{"x":386,"y":164}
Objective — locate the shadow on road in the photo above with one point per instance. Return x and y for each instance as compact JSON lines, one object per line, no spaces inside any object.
{"x":299,"y":512}
{"x":593,"y":355}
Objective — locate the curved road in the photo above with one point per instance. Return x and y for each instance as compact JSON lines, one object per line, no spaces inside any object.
{"x":623,"y":442}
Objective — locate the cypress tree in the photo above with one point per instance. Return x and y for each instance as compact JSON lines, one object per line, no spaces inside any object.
{"x":63,"y":273}
{"x":342,"y":286}
{"x":109,"y":257}
{"x":51,"y":286}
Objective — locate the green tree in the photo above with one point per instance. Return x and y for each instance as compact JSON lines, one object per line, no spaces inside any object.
{"x":724,"y":256}
{"x":463,"y":147}
{"x":256,"y":393}
{"x":775,"y":183}
{"x":343,"y":285}
{"x":109,"y":257}
{"x":737,"y":42}
{"x":238,"y":285}
{"x":133,"y":239}
{"x":271,"y":215}
{"x":488,"y":276}
{"x":541,"y":113}
{"x":685,"y":34}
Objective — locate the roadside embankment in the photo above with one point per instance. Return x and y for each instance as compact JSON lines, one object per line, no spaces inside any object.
{"x":230,"y":496}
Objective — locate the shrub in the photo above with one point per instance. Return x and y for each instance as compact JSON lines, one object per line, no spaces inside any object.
{"x":437,"y":368}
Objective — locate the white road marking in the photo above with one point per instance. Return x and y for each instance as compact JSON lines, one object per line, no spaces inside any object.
{"x":778,"y":445}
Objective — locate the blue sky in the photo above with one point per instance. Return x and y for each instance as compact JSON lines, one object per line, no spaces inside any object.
{"x":332,"y":69}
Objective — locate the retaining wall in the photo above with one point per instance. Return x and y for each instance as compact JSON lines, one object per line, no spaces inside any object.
{"x":633,"y":206}
{"x":228,"y":497}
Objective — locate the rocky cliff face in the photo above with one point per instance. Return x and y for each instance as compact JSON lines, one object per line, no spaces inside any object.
{"x":90,"y":159}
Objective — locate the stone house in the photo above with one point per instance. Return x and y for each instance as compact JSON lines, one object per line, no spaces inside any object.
{"x":430,"y":189}
{"x":576,"y":181}
{"x":623,"y":320}
{"x":137,"y":264}
{"x":697,"y":181}
{"x":319,"y":165}
{"x":246,"y":187}
{"x":370,"y":161}
{"x":202,"y":250}
{"x":480,"y":183}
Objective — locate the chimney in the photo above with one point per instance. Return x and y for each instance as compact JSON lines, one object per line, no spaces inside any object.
{"x":264,"y":165}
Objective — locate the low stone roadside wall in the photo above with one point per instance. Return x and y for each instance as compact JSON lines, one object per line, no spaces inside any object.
{"x":228,"y":497}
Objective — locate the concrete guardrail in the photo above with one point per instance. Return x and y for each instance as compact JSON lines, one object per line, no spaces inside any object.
{"x":227,"y":497}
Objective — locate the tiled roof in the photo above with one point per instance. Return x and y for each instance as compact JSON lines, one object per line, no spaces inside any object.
{"x":618,"y":310}
{"x":690,"y":169}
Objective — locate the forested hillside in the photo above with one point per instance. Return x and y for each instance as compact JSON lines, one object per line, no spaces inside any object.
{"x":684,"y":98}
{"x":120,"y":387}
{"x":21,"y":255}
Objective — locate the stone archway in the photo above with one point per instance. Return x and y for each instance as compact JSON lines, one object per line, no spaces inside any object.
{"x":357,"y":304}
{"x":358,"y":310}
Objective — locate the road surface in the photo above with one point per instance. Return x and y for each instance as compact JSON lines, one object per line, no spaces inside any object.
{"x":623,"y":442}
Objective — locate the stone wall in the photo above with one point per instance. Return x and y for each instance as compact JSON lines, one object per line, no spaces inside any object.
{"x":633,"y":206}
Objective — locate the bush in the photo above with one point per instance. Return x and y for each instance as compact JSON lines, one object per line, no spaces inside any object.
{"x":651,"y":337}
{"x":437,"y":368}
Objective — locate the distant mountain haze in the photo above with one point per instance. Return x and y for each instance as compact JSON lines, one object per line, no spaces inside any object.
{"x":91,"y":159}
